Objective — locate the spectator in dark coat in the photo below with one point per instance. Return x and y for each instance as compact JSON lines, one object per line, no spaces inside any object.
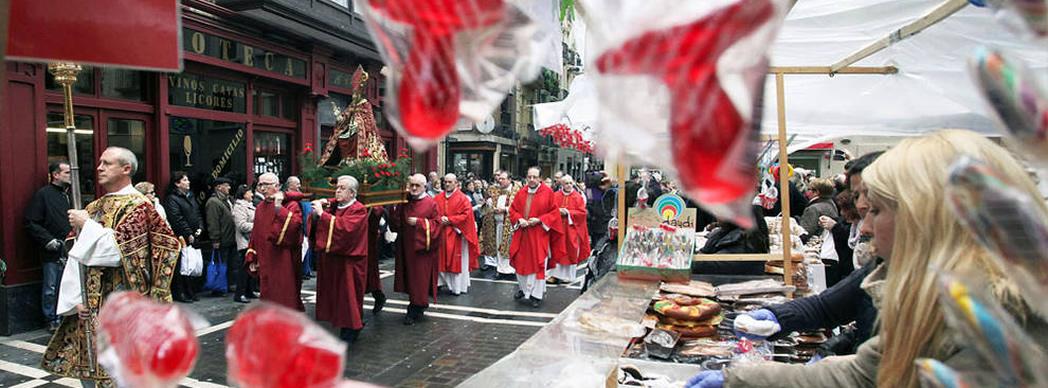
{"x":821,"y":204}
{"x":728,"y":238}
{"x":183,"y":213}
{"x":221,"y":228}
{"x":47,"y":223}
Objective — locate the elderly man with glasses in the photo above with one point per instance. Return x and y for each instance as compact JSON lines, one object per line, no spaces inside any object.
{"x":275,"y":249}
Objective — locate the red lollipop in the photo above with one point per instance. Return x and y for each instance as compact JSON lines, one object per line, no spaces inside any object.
{"x":144,"y":343}
{"x":705,"y":126}
{"x":271,"y":346}
{"x":429,"y":90}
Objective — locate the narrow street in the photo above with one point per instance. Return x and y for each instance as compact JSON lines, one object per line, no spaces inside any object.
{"x":461,"y":336}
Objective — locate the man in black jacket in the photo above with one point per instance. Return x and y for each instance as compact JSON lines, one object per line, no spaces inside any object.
{"x":47,"y":222}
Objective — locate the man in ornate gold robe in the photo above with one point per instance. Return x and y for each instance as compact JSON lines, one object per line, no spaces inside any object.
{"x":495,"y":228}
{"x":125,"y":245}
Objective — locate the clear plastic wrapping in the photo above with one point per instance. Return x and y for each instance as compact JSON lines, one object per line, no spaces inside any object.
{"x":685,"y":77}
{"x":271,"y":346}
{"x":986,"y":326}
{"x":1027,"y":18}
{"x":143,"y":343}
{"x":1017,"y":97}
{"x":1005,"y":220}
{"x":450,"y":58}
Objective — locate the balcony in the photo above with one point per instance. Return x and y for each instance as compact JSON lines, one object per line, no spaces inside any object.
{"x":331,"y":22}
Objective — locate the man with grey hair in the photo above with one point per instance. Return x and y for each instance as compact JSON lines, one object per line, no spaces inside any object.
{"x":275,"y":249}
{"x":572,"y":246}
{"x":417,"y":252}
{"x":459,"y":250}
{"x":123,"y":244}
{"x":342,"y":247}
{"x":294,"y":184}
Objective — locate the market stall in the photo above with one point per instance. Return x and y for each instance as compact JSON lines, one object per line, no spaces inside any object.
{"x":889,"y":85}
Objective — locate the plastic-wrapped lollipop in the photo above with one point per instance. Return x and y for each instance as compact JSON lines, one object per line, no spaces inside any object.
{"x":1005,"y":220}
{"x":934,"y":374}
{"x":447,"y":57}
{"x":993,"y":332}
{"x":700,"y":67}
{"x":271,"y":346}
{"x":1026,"y":17}
{"x":143,"y":343}
{"x":1017,"y":97}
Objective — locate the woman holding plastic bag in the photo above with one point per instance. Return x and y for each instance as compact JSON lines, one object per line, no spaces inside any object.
{"x":913,"y":229}
{"x":183,"y":213}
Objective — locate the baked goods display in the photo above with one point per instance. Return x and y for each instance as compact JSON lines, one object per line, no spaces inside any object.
{"x":692,"y":288}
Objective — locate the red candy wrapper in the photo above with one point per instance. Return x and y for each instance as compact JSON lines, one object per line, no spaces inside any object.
{"x":271,"y":346}
{"x":447,"y":58}
{"x":685,"y":77}
{"x":143,"y":343}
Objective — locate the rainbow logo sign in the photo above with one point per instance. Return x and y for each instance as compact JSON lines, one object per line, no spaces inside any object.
{"x":669,"y":206}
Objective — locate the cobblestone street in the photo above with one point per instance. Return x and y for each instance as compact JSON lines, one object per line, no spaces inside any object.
{"x":461,"y":336}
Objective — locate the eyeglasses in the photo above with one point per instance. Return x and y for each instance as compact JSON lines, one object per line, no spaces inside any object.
{"x":261,"y":184}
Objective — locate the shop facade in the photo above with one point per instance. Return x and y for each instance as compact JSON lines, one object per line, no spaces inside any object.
{"x":246,"y":102}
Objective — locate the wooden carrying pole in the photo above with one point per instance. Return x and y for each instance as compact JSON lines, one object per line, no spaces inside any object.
{"x":944,"y":10}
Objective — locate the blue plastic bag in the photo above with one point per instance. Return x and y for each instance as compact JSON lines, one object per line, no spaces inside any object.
{"x":216,"y":274}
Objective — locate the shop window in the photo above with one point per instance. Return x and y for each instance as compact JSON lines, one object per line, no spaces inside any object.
{"x":289,"y":107}
{"x":266,"y":104}
{"x":273,"y":154}
{"x":57,"y":149}
{"x":130,"y":134}
{"x":85,"y":82}
{"x":206,"y":149}
{"x":123,"y":84}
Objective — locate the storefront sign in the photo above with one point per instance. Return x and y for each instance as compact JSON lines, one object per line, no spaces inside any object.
{"x":236,"y":52}
{"x":208,"y":93}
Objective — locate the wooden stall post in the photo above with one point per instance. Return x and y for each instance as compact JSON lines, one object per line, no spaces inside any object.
{"x":784,"y":182}
{"x":621,"y":169}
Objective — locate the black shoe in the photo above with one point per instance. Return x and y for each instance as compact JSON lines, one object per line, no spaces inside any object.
{"x":180,"y":299}
{"x":253,"y":295}
{"x":241,"y":299}
{"x":535,"y":302}
{"x":193,"y":296}
{"x":380,"y":302}
{"x":217,"y":294}
{"x":348,"y":335}
{"x":409,"y":320}
{"x":519,"y":295}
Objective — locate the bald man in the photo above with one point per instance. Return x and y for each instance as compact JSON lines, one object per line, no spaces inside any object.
{"x":459,"y":250}
{"x":275,"y":249}
{"x":536,"y":217}
{"x":417,"y":248}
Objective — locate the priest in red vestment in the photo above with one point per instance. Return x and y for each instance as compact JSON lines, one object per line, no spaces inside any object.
{"x":459,"y":249}
{"x":536,"y":217}
{"x":341,"y":245}
{"x":275,"y":249}
{"x":417,"y":248}
{"x":572,"y":246}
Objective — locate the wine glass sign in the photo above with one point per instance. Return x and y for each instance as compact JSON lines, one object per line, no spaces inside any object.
{"x":187,"y":147}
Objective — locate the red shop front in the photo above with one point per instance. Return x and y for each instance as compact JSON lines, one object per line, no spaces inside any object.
{"x":244,"y":104}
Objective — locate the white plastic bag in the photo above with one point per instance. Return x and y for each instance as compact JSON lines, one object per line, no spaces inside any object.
{"x":192,"y":262}
{"x":829,"y":248}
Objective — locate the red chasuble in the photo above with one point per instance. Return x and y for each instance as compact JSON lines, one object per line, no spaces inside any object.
{"x":374,"y":282}
{"x":460,"y":214}
{"x":341,"y":246}
{"x":276,"y":245}
{"x":417,"y":249}
{"x":573,"y":246}
{"x":531,"y":245}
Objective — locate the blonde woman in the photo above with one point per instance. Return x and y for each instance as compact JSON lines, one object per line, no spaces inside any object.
{"x":912,"y":229}
{"x":149,"y":190}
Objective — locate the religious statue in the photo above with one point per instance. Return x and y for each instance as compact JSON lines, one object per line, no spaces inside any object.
{"x":355,"y":135}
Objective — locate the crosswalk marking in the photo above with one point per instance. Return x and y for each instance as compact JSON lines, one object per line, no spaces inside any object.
{"x":24,"y":345}
{"x":23,"y":370}
{"x":472,"y":309}
{"x":30,"y":384}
